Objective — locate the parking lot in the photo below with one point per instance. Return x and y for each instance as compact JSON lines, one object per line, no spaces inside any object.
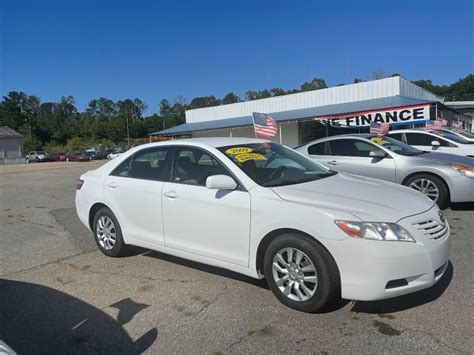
{"x":60,"y":294}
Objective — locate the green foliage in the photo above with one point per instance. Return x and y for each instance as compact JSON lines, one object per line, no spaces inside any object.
{"x":59,"y":126}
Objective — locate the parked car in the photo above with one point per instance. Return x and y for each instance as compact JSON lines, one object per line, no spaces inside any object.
{"x":77,"y":156}
{"x":264,"y":210}
{"x":37,"y":156}
{"x":95,"y":155}
{"x":58,"y":156}
{"x":436,"y":141}
{"x":442,"y":177}
{"x":116,"y":152}
{"x":461,"y":133}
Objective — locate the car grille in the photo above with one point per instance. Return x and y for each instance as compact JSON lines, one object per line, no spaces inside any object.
{"x":432,"y":229}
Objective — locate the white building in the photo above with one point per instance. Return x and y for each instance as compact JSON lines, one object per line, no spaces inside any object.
{"x":394,"y":99}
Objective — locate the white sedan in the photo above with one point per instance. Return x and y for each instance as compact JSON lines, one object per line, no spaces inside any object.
{"x":264,"y":210}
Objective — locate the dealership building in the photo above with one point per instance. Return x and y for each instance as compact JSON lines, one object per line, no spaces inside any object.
{"x":309,"y":115}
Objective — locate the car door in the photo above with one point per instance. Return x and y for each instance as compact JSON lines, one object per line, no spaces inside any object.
{"x":210,"y":223}
{"x":424,"y":141}
{"x":351,"y":155}
{"x":318,"y":152}
{"x":133,"y":191}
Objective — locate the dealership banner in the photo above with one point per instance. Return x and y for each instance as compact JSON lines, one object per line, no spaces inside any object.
{"x":392,"y":116}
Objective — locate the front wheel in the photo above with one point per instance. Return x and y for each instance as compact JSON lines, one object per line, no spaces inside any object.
{"x":431,"y":186}
{"x":108,"y":234}
{"x":301,"y":273}
{"x":27,"y":161}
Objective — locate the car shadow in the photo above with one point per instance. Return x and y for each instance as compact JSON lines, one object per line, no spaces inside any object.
{"x":338,"y":303}
{"x":405,"y":302}
{"x":462,"y":206}
{"x":207,"y":268}
{"x":40,"y":319}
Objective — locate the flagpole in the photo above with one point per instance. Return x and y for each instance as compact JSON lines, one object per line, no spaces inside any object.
{"x":281,"y":139}
{"x":253,"y":121}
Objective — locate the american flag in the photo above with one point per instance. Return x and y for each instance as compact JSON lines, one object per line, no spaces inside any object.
{"x":264,"y":125}
{"x":435,"y":125}
{"x":457,"y":124}
{"x":379,"y":128}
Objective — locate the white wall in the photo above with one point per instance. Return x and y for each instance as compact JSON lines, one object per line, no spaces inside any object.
{"x":330,"y":96}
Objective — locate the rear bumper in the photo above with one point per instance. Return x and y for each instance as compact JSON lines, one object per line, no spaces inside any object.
{"x":82,"y":209}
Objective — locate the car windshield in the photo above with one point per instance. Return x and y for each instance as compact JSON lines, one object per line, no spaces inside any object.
{"x":270,"y":164}
{"x":451,"y":136}
{"x":396,"y":146}
{"x":463,"y":133}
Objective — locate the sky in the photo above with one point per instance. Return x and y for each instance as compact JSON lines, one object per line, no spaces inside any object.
{"x":162,"y":49}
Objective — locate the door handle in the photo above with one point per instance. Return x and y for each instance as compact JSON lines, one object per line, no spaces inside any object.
{"x":171,"y":194}
{"x":333,"y":162}
{"x":112,"y":185}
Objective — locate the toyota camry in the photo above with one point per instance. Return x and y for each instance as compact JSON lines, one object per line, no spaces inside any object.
{"x":266,"y":211}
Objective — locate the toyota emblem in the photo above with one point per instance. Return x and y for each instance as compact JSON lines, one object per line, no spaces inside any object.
{"x":441,"y":217}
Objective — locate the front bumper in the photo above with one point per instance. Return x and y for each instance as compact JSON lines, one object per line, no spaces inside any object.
{"x":461,"y":189}
{"x":375,"y":270}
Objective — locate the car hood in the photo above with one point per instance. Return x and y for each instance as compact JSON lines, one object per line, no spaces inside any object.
{"x":367,"y":199}
{"x":445,"y":158}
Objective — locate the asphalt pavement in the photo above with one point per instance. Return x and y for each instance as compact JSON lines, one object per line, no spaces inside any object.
{"x":59,"y":294}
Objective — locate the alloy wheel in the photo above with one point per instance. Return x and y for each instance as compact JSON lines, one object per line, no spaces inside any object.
{"x":426,"y":187}
{"x":106,"y":233}
{"x":295,"y":274}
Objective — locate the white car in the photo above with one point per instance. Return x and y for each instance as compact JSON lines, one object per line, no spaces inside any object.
{"x":441,"y":141}
{"x":111,"y":156}
{"x":264,"y":210}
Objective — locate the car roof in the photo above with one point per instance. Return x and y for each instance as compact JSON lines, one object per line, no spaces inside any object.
{"x":349,"y":135}
{"x":209,"y":142}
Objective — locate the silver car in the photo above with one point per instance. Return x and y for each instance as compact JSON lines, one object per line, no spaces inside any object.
{"x":442,"y":177}
{"x":37,"y":156}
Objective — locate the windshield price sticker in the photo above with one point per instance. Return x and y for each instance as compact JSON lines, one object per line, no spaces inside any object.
{"x":242,"y":158}
{"x":238,"y":150}
{"x":379,"y":140}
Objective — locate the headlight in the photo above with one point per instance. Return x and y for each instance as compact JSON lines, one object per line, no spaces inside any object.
{"x":463,"y":169}
{"x":375,"y":231}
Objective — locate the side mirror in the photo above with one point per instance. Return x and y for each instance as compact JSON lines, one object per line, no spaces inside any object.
{"x":435,"y":144}
{"x":220,"y":182}
{"x":377,"y":154}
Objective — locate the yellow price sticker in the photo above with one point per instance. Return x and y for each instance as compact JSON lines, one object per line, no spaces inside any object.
{"x":379,"y":140}
{"x":242,"y":158}
{"x":238,"y":150}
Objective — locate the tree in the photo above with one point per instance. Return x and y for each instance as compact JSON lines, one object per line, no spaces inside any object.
{"x":378,"y":74}
{"x":314,"y":84}
{"x":101,"y":108}
{"x":230,"y":98}
{"x":277,"y":92}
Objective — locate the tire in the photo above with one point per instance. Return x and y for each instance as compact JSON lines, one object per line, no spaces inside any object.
{"x":323,"y":289}
{"x":108,"y":239}
{"x":431,"y":184}
{"x":27,"y":161}
{"x":37,"y":160}
{"x":67,"y":159}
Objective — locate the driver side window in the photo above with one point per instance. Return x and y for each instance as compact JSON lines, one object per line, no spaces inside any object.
{"x":351,"y":148}
{"x":193,"y":166}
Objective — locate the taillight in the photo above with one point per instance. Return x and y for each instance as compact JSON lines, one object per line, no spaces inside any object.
{"x":79,"y":184}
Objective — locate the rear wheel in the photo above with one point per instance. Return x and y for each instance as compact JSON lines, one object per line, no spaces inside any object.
{"x":108,"y":234}
{"x":431,"y":186}
{"x":300,"y":272}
